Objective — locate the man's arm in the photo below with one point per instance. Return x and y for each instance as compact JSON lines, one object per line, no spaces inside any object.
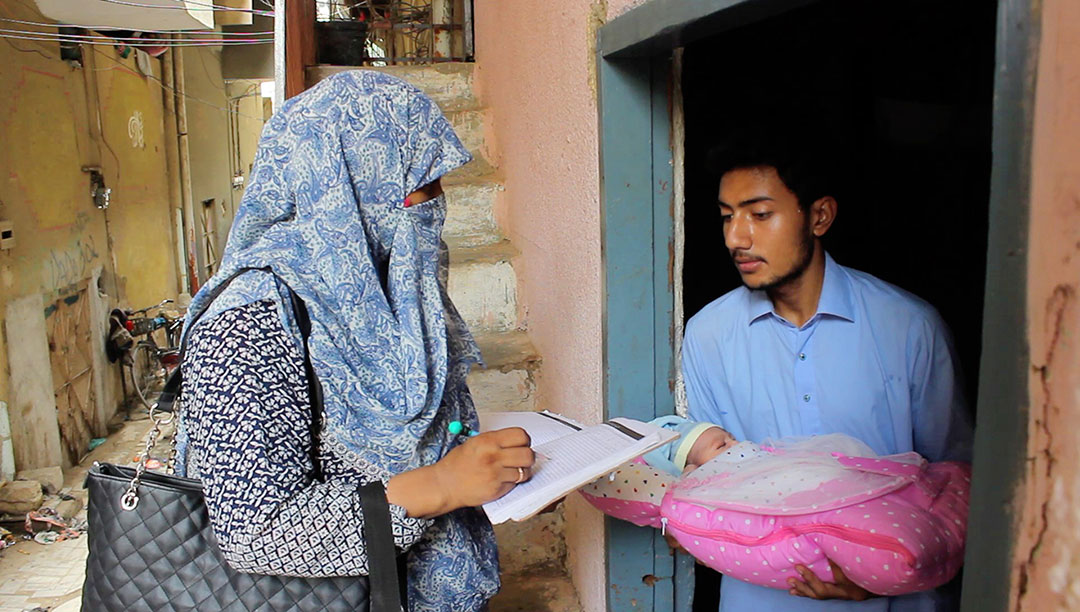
{"x":941,"y":424}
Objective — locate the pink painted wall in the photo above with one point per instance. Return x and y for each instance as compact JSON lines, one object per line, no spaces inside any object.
{"x":1045,"y":564}
{"x":535,"y":73}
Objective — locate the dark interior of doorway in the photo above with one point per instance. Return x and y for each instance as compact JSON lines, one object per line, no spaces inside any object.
{"x":907,"y":87}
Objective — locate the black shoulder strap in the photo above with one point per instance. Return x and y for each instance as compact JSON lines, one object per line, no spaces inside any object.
{"x":386,"y":586}
{"x":315,"y":394}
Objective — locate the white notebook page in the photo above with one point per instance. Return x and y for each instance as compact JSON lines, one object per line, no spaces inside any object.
{"x":571,"y":462}
{"x":541,"y":427}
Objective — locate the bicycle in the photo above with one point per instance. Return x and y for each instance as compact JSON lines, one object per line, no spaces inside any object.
{"x":148,"y":364}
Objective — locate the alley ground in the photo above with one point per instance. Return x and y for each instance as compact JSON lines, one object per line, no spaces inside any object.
{"x":49,"y":577}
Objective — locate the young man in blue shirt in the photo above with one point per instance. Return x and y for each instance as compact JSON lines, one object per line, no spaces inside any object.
{"x":807,"y":346}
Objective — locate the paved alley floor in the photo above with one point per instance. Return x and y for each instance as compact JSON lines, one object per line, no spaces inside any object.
{"x":49,"y":577}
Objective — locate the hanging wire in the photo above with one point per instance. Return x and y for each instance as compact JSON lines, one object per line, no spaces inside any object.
{"x":110,"y":42}
{"x":126,"y":29}
{"x":208,"y":6}
{"x":21,"y":50}
{"x":132,"y":39}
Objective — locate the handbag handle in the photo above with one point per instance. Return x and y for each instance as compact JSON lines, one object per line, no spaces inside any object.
{"x":385,"y":585}
{"x":386,"y":570}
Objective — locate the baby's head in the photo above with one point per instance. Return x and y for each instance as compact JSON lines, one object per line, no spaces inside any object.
{"x":710,"y":443}
{"x":697,"y":443}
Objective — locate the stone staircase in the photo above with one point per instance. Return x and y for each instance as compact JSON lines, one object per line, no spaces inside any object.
{"x":483,"y":285}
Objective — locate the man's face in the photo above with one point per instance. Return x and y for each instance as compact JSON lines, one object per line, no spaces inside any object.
{"x":767,"y":234}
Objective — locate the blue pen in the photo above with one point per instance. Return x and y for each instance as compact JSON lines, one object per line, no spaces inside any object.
{"x":456,"y":428}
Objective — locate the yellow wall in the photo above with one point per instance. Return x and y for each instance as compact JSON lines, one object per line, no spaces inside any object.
{"x":212,"y":161}
{"x":139,"y":217}
{"x":207,"y":141}
{"x":61,"y":237}
{"x":47,"y":111}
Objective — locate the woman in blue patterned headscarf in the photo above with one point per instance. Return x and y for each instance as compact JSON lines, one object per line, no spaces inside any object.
{"x":345,"y":208}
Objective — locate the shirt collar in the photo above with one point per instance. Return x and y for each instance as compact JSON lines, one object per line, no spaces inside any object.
{"x":835,"y":297}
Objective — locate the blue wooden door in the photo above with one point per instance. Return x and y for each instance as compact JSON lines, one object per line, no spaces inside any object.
{"x":638,"y":251}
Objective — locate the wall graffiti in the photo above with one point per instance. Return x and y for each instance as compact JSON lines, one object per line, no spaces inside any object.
{"x":68,"y":266}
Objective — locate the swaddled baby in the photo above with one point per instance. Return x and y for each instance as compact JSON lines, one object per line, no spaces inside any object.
{"x":895,"y":524}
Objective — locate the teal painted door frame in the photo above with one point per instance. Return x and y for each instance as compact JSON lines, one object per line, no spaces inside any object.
{"x":637,"y":246}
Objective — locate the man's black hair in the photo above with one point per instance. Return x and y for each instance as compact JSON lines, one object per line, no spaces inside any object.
{"x":802,"y":152}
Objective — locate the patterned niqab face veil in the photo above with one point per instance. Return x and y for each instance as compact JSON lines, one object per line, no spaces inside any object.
{"x":325,"y":210}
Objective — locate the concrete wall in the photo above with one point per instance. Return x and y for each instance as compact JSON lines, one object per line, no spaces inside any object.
{"x":1046,"y":563}
{"x":53,"y":121}
{"x":211,"y":158}
{"x":55,"y":118}
{"x":535,"y":72}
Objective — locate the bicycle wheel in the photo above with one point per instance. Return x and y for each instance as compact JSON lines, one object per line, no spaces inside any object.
{"x":145,"y":366}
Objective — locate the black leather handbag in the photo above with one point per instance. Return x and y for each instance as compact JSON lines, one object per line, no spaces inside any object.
{"x":152,"y":546}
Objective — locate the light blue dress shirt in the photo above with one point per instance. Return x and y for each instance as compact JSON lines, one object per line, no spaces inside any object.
{"x":875,"y":362}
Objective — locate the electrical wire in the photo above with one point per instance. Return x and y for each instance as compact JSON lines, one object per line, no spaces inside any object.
{"x":100,"y":28}
{"x":209,"y":6}
{"x":148,"y":41}
{"x":134,"y":39}
{"x":21,"y":50}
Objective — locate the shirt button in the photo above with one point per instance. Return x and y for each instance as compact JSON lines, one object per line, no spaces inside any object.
{"x":802,"y":356}
{"x":806,"y":398}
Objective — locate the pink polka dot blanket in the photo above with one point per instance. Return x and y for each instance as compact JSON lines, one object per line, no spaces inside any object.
{"x":895,"y":524}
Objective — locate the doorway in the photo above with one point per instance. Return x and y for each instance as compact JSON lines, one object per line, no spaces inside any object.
{"x":923,"y":92}
{"x":906,"y":92}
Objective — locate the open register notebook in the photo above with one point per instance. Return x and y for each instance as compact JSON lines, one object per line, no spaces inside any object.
{"x":569,"y":456}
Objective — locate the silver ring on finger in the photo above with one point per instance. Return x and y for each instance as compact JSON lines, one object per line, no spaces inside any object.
{"x":521,"y":476}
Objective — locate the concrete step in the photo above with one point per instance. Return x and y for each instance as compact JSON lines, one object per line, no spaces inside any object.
{"x":484,"y":287}
{"x":470,"y":216}
{"x":478,"y":170}
{"x":507,"y":379}
{"x":541,"y":590}
{"x":448,"y":84}
{"x":468,"y":124}
{"x":533,"y":545}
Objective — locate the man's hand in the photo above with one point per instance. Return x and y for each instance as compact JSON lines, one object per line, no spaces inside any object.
{"x":841,"y":588}
{"x":673,"y":543}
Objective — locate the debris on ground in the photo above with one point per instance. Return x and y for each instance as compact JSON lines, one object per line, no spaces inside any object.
{"x":7,"y":538}
{"x":50,"y":528}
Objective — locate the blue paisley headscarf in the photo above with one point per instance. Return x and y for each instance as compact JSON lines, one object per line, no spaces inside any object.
{"x":325,"y":210}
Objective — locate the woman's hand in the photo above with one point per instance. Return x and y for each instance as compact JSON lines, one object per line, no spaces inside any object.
{"x":484,"y":468}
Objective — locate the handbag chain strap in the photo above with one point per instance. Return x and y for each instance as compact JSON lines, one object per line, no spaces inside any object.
{"x":130,"y":499}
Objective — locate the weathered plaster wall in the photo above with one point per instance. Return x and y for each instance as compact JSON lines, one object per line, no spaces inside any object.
{"x":208,"y":128}
{"x":46,"y":118}
{"x":535,"y":72}
{"x":1046,"y":573}
{"x":139,"y":219}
